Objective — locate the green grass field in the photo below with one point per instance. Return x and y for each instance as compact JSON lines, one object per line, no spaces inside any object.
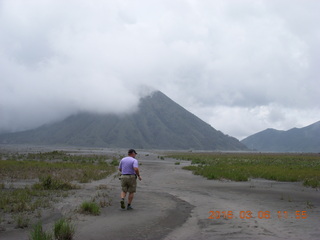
{"x":52,"y":175}
{"x":60,"y":165}
{"x":243,"y":166}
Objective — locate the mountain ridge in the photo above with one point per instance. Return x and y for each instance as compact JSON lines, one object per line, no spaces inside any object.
{"x":160,"y":123}
{"x":305,"y":139}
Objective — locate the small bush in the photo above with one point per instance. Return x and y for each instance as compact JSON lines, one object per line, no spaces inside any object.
{"x":312,"y":182}
{"x":38,"y":233}
{"x":49,"y":183}
{"x":102,"y":186}
{"x":114,"y":162}
{"x":90,"y":208}
{"x":21,"y":221}
{"x":63,"y":230}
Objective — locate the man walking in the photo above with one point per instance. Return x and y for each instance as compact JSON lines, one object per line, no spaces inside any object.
{"x":129,"y":169}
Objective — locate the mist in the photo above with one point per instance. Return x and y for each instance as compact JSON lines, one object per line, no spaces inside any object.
{"x":242,"y":66}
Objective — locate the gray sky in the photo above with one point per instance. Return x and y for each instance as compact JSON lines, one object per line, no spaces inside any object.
{"x":240,"y":65}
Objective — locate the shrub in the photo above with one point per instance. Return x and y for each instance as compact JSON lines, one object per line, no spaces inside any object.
{"x":114,"y":162}
{"x":312,"y":182}
{"x":49,"y":183}
{"x":21,"y":221}
{"x":63,"y":230}
{"x":38,"y":233}
{"x":90,"y":208}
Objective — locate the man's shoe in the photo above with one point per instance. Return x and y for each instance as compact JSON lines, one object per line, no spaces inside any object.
{"x":129,"y":208}
{"x":122,"y":204}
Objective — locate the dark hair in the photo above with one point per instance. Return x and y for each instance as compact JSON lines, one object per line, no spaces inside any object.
{"x":132,"y":151}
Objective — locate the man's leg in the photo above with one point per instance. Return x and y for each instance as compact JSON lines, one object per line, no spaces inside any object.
{"x":122,"y":195}
{"x":131,"y":190}
{"x":123,"y":192}
{"x":130,"y":197}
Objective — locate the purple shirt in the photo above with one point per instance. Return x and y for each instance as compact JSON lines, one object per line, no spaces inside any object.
{"x":127,"y":165}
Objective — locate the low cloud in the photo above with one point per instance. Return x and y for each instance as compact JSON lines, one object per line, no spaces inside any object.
{"x":242,"y":66}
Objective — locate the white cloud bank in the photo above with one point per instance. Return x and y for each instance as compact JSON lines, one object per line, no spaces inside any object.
{"x":240,"y":65}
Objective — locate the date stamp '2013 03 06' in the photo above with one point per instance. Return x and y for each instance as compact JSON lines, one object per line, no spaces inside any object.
{"x":260,"y":214}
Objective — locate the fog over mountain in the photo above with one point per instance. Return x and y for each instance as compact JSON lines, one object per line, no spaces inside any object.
{"x":159,"y":123}
{"x":242,"y":66}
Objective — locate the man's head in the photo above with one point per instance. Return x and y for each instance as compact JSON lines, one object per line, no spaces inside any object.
{"x":132,"y":152}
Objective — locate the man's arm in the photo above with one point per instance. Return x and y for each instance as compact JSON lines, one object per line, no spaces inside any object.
{"x":120,"y":167}
{"x":137,"y":172}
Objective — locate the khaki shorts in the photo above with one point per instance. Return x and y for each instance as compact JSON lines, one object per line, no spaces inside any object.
{"x":129,"y":183}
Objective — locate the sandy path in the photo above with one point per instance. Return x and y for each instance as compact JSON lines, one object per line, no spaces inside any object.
{"x":156,"y":212}
{"x":174,"y":204}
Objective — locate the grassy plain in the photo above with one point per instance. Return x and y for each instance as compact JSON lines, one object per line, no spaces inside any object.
{"x":31,"y":182}
{"x":243,"y":166}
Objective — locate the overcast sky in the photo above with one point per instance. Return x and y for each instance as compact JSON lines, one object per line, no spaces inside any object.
{"x":240,"y":65}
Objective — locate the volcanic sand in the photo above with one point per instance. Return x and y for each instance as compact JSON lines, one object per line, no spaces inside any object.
{"x":173,"y":204}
